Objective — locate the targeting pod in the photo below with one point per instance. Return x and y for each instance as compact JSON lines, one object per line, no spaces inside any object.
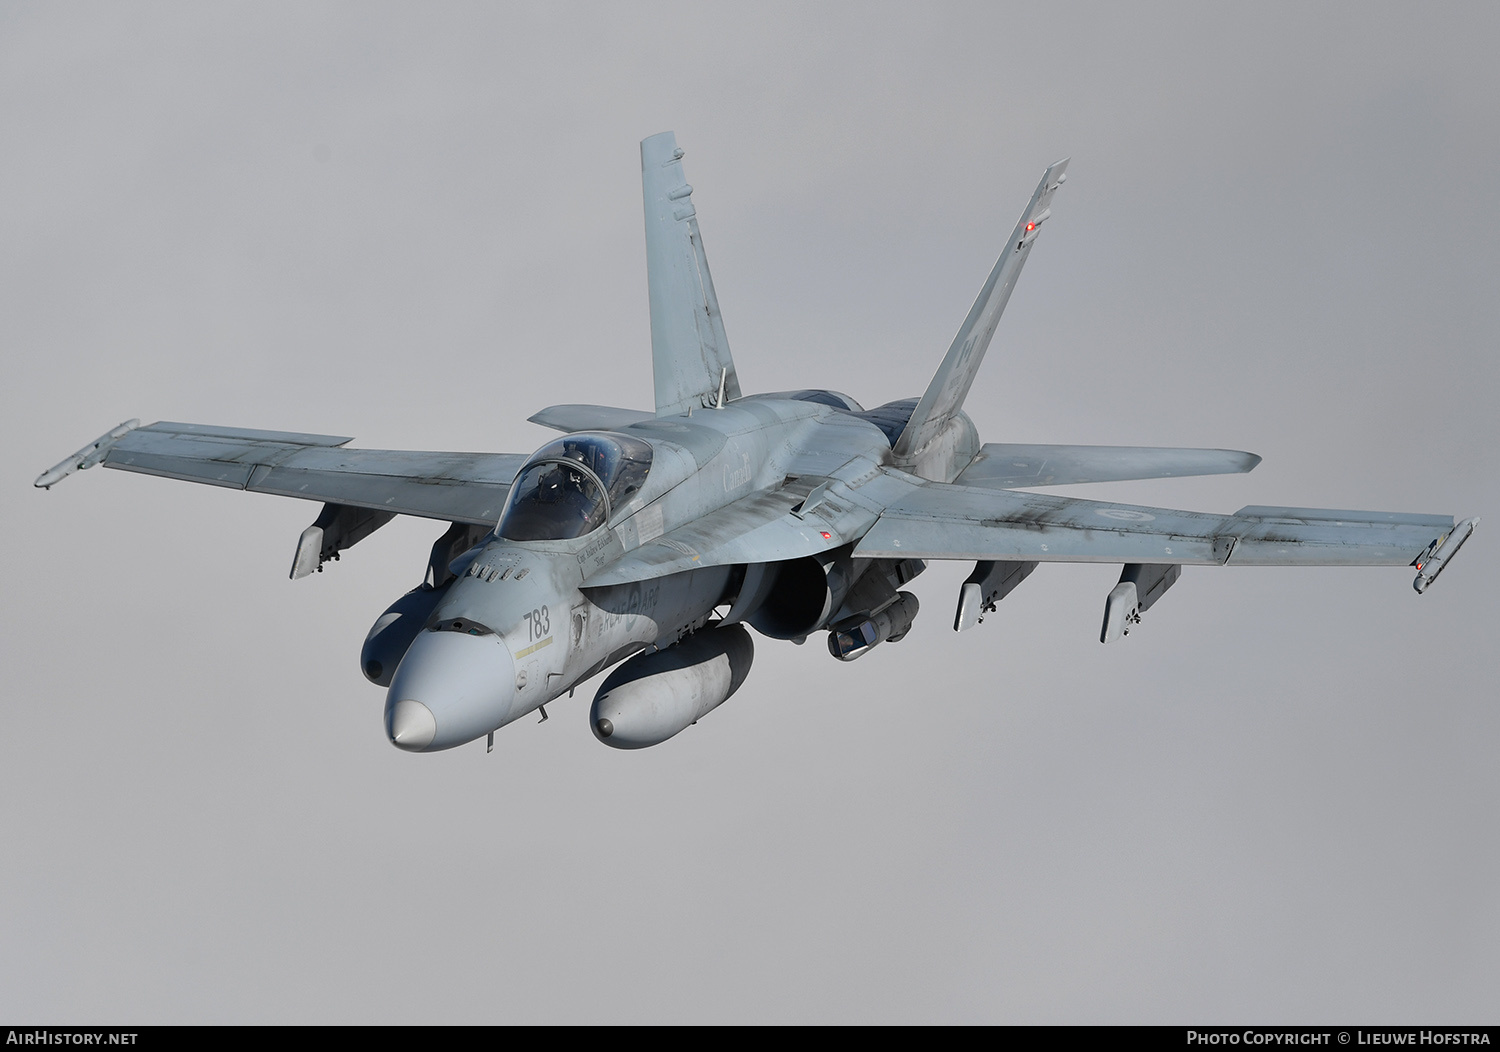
{"x":857,"y":638}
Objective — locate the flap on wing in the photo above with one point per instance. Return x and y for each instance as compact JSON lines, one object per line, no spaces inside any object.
{"x":570,"y":418}
{"x":760,"y":528}
{"x":291,"y":438}
{"x":458,"y":487}
{"x":1260,"y":511}
{"x":961,"y":522}
{"x":1008,"y":465}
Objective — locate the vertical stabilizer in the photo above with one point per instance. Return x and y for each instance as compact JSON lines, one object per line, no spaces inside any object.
{"x":689,"y":351}
{"x":950,"y":384}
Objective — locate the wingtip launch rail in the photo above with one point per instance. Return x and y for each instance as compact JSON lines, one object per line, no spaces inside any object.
{"x":86,"y":457}
{"x":1444,"y":549}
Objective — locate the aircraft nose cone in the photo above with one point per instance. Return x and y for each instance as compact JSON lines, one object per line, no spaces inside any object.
{"x":412,"y":725}
{"x":450,"y":688}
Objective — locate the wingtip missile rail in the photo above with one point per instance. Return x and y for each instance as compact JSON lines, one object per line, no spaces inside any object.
{"x":86,"y":457}
{"x":1446,"y":548}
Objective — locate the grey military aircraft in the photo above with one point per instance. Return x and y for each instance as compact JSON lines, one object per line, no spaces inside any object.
{"x":653,"y":538}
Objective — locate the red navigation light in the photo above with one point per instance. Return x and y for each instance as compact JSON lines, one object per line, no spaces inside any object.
{"x":826,"y":534}
{"x":1030,"y":227}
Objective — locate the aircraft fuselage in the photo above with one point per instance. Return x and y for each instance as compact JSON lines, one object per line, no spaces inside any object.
{"x":518,"y":627}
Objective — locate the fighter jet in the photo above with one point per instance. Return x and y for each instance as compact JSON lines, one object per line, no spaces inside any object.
{"x":650,"y":539}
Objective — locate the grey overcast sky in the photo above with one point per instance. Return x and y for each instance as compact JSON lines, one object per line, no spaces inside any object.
{"x":1275,"y":802}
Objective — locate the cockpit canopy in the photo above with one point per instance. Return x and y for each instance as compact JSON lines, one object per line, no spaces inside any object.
{"x":570,"y":487}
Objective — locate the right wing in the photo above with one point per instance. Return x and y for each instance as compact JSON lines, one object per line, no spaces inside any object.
{"x":1008,"y":465}
{"x":456,"y":487}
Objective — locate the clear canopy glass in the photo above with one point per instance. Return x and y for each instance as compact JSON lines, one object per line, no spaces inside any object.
{"x":570,"y":487}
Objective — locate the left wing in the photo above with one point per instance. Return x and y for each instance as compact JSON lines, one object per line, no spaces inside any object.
{"x":456,"y":487}
{"x":939,"y":521}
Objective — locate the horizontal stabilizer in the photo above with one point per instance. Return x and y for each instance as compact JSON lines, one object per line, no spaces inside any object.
{"x":1009,"y":465}
{"x":570,"y":418}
